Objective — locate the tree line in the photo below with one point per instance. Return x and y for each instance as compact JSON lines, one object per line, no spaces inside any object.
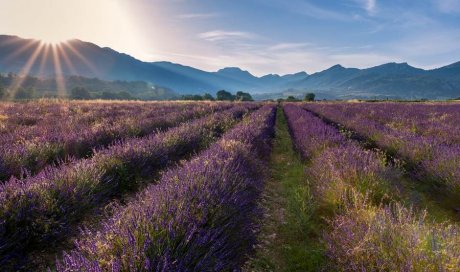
{"x":221,"y":95}
{"x":307,"y":97}
{"x":78,"y":87}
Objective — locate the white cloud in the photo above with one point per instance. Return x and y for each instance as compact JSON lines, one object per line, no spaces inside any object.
{"x":285,"y":62}
{"x":261,"y":56}
{"x":287,"y":46}
{"x":369,"y":5}
{"x":197,"y":15}
{"x":220,"y":35}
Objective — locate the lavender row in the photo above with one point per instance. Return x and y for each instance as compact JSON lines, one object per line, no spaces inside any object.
{"x":35,"y":119}
{"x":76,"y":130}
{"x":200,"y":217}
{"x":369,"y":228}
{"x":346,"y":160}
{"x":40,"y":208}
{"x":51,"y":121}
{"x":438,"y":121}
{"x":431,"y":158}
{"x":311,"y":138}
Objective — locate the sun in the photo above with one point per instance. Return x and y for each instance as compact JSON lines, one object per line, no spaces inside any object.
{"x":60,"y":52}
{"x":53,"y":40}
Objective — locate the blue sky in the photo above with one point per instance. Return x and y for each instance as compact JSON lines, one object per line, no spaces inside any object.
{"x":270,"y":36}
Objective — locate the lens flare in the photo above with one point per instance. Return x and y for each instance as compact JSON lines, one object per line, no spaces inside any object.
{"x":17,"y":83}
{"x":53,"y":41}
{"x":60,"y":56}
{"x":59,"y":76}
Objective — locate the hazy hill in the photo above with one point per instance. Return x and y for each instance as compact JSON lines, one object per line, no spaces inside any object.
{"x":89,"y":60}
{"x":393,"y":80}
{"x":450,"y":73}
{"x":96,"y":87}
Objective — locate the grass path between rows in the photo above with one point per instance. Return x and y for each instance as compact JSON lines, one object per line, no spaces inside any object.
{"x":289,"y":239}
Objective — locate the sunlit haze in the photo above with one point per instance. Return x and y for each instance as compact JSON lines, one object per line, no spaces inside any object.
{"x":262,"y":36}
{"x":104,"y":22}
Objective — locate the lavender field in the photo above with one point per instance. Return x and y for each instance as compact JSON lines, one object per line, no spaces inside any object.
{"x":229,"y":186}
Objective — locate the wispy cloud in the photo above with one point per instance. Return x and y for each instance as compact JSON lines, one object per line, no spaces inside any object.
{"x":318,"y":34}
{"x":262,"y":55}
{"x":370,"y":6}
{"x":285,"y":62}
{"x":220,"y":35}
{"x":362,"y":60}
{"x":320,"y":13}
{"x":309,"y":9}
{"x":448,"y":6}
{"x":197,"y":15}
{"x":411,"y":19}
{"x":435,"y":42}
{"x":287,"y":46}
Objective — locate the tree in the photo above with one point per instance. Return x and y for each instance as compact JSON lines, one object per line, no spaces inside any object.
{"x":292,"y":99}
{"x":223,"y":95}
{"x":80,"y":93}
{"x":2,"y":92}
{"x":108,"y":95}
{"x":124,"y":95}
{"x":49,"y":94}
{"x":242,"y":96}
{"x":23,"y":93}
{"x":193,"y":97}
{"x":209,"y":97}
{"x":309,"y":97}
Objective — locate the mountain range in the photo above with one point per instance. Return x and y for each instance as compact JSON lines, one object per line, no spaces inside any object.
{"x":79,"y":58}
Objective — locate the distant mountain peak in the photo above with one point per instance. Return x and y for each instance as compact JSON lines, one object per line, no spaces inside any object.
{"x":298,"y":74}
{"x":336,"y":67}
{"x":401,"y":64}
{"x":303,"y":73}
{"x":402,"y":68}
{"x":231,"y":69}
{"x":271,"y":76}
{"x":234,"y":71}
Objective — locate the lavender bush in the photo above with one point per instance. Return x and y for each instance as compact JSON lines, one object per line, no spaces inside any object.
{"x":391,"y":238}
{"x":425,"y":135}
{"x":311,"y":136}
{"x":36,"y":134}
{"x":200,"y":217}
{"x":369,"y":228}
{"x":38,"y":209}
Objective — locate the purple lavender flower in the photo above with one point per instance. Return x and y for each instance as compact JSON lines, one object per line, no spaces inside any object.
{"x":200,"y":217}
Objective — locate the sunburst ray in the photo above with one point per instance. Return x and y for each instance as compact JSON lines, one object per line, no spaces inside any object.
{"x":17,"y":83}
{"x":44,"y":59}
{"x":90,"y":66}
{"x":30,"y":44}
{"x":68,"y":63}
{"x":60,"y":80}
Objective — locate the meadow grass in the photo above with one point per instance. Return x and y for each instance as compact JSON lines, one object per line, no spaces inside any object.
{"x":291,"y":230}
